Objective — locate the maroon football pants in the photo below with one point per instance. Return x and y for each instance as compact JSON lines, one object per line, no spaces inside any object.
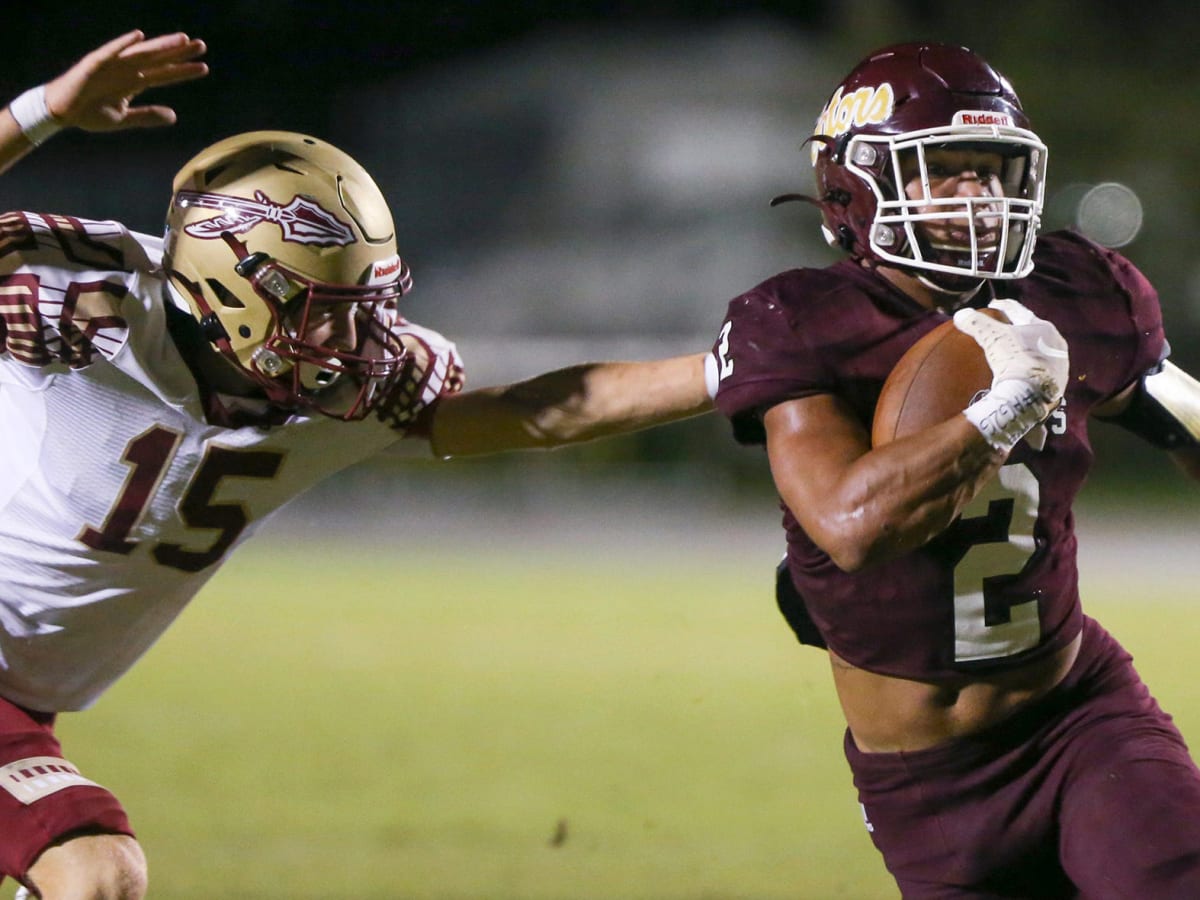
{"x":1088,"y":793}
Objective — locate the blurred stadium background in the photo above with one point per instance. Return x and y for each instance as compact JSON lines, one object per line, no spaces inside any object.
{"x":591,"y":179}
{"x":570,"y":181}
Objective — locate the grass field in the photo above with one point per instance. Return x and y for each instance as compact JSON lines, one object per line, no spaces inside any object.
{"x":552,"y":723}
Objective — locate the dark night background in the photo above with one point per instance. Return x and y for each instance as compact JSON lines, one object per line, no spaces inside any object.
{"x":587,"y":179}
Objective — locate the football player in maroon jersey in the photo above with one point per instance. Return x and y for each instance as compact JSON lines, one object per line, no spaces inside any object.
{"x":1001,"y":742}
{"x":162,"y":396}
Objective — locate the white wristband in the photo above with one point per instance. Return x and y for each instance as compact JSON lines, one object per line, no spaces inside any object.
{"x":1006,"y":413}
{"x":33,"y":115}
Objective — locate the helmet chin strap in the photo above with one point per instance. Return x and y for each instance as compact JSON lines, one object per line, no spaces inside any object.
{"x":960,"y":296}
{"x":943,"y":296}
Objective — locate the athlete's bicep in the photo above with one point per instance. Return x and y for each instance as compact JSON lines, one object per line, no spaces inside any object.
{"x":862,"y":505}
{"x":812,"y":442}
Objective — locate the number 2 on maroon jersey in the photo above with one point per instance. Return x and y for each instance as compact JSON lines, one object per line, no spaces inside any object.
{"x":1001,"y":518}
{"x":147,"y":456}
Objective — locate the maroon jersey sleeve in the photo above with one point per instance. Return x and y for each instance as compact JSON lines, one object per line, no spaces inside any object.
{"x":763,"y":356}
{"x":807,"y":332}
{"x":1104,"y":306}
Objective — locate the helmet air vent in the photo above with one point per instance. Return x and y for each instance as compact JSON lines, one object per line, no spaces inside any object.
{"x":225,"y":297}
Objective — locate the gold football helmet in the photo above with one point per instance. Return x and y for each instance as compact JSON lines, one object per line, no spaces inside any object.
{"x":271,"y":236}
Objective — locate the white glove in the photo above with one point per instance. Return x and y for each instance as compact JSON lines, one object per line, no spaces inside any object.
{"x":1030,"y":366}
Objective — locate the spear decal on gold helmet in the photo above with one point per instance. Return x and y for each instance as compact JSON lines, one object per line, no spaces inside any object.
{"x":301,"y":220}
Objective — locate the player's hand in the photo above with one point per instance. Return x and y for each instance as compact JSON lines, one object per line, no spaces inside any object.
{"x":97,"y":93}
{"x":1025,"y":348}
{"x":432,"y":371}
{"x":1030,"y":366}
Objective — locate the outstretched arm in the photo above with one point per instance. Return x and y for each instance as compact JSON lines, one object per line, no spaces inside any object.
{"x":567,"y":406}
{"x":97,"y":93}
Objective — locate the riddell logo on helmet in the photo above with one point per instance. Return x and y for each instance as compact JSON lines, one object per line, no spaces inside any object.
{"x":391,"y":271}
{"x":963,"y":117}
{"x":384,"y":269}
{"x":864,"y":106}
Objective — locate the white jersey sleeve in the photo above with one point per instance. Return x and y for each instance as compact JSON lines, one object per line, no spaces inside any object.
{"x":63,"y":283}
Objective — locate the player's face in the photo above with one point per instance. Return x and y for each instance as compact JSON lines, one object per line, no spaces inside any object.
{"x":957,"y":175}
{"x":332,"y":326}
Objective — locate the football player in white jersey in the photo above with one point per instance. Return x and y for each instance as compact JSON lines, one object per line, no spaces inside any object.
{"x":160,"y":397}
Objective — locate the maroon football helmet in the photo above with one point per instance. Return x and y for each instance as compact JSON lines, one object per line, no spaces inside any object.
{"x":896,"y":105}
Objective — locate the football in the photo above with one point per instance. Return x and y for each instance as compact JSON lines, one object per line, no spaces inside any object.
{"x":937,"y":377}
